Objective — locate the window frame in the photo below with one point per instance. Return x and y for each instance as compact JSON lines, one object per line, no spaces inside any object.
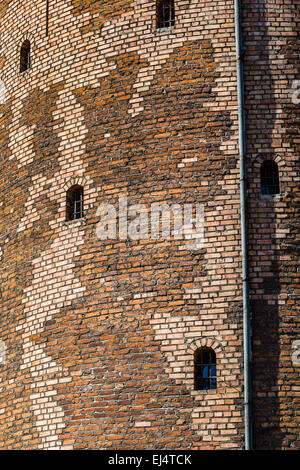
{"x":206,"y":379}
{"x":25,"y":56}
{"x":75,"y":203}
{"x":161,"y":7}
{"x":269,"y":183}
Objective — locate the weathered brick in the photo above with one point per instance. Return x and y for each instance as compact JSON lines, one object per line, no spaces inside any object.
{"x":100,"y":335}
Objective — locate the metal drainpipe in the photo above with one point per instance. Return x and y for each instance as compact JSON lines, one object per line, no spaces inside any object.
{"x":244,"y":232}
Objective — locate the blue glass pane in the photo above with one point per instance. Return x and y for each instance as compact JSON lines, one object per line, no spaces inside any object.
{"x":205,"y":372}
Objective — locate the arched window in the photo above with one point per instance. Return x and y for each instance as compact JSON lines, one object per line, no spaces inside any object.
{"x":74,"y":203}
{"x":165,"y":13}
{"x":269,"y":177}
{"x":25,"y":56}
{"x":205,"y":369}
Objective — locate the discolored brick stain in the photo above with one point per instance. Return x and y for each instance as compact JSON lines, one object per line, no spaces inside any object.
{"x":101,"y":11}
{"x":37,"y":113}
{"x":117,"y":320}
{"x":3,"y":7}
{"x":18,"y":249}
{"x":131,"y":159}
{"x":2,"y":61}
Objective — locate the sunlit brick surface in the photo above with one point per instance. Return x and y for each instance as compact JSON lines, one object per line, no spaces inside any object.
{"x":100,"y":335}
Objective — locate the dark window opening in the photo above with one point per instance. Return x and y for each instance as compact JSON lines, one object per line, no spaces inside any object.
{"x":165,"y":13}
{"x":75,"y":203}
{"x":25,"y":56}
{"x":205,"y":369}
{"x":47,"y":17}
{"x":269,"y":177}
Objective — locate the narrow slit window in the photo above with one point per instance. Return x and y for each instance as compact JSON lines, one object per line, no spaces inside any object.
{"x":25,"y":62}
{"x":75,"y":203}
{"x":205,"y":369}
{"x":47,"y":17}
{"x":165,"y":13}
{"x":269,"y":178}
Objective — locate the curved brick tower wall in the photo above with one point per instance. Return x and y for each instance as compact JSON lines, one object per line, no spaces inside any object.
{"x":100,"y":335}
{"x":271,"y":40}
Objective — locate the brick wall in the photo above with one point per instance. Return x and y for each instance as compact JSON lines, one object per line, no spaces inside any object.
{"x":271,"y":36}
{"x":100,"y":334}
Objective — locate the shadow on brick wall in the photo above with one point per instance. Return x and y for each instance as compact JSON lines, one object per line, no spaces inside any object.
{"x":264,"y":253}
